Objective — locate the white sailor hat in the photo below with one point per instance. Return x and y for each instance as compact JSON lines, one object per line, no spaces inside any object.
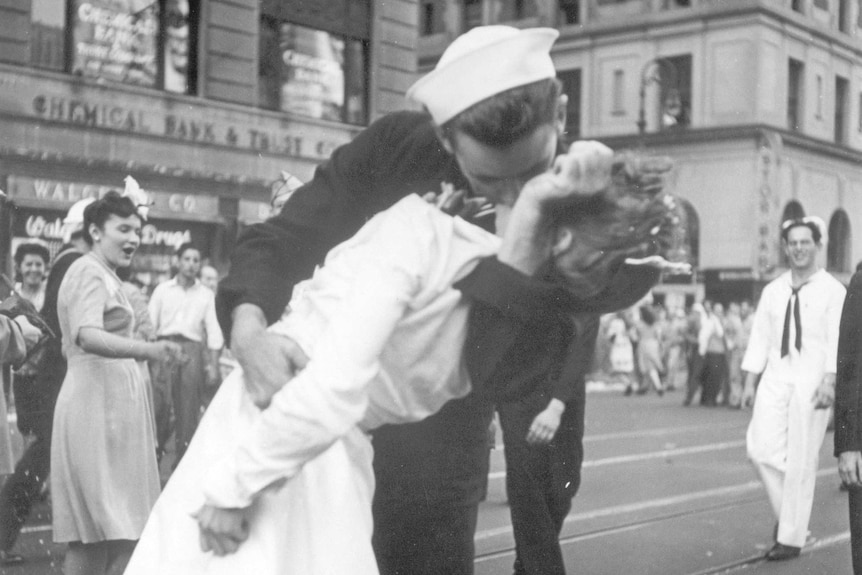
{"x":481,"y":63}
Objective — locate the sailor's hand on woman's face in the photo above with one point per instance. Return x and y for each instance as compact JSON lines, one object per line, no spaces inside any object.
{"x":222,"y":531}
{"x":584,"y":170}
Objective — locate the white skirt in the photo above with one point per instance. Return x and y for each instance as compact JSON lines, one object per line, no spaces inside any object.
{"x":317,"y":523}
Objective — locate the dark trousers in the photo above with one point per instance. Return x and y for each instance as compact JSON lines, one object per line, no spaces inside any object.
{"x":22,"y":489}
{"x":541,"y":481}
{"x":713,"y":374}
{"x":183,"y":384}
{"x":424,"y":539}
{"x":430,"y":477}
{"x":855,"y":497}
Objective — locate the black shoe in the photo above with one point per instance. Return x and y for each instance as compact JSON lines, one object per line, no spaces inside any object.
{"x":9,"y":558}
{"x":782,"y":552}
{"x":628,"y":391}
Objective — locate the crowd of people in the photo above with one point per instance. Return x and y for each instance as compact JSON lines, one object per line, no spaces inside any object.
{"x":378,"y":320}
{"x":697,"y":350}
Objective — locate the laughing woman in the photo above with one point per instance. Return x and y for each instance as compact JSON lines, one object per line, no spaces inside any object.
{"x":104,"y":477}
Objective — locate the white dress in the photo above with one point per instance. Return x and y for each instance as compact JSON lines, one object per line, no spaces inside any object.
{"x":384,"y":330}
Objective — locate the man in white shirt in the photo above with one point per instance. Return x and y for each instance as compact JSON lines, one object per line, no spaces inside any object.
{"x":793,"y":344}
{"x":183,"y":310}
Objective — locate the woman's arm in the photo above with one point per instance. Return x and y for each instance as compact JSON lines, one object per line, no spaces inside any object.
{"x":100,"y":342}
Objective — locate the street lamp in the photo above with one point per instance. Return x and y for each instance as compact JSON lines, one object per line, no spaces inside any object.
{"x":658,"y":71}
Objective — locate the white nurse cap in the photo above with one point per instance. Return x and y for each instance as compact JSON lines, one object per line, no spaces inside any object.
{"x":481,"y":63}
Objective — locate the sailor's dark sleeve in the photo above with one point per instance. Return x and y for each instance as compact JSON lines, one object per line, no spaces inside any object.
{"x":271,"y":257}
{"x":579,"y":357}
{"x":848,"y":380}
{"x":508,"y":304}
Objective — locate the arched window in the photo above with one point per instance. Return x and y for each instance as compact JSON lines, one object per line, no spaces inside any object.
{"x":838,"y":246}
{"x":689,"y":242}
{"x":792,"y":211}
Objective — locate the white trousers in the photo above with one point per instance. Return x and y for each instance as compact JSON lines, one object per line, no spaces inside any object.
{"x":783,"y":440}
{"x":317,"y":523}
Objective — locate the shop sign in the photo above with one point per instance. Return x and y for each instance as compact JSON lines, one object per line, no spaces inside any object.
{"x":67,"y":193}
{"x":55,"y":101}
{"x":115,"y":40}
{"x":49,"y":227}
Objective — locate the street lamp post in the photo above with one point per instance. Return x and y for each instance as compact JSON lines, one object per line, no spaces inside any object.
{"x":653,"y":72}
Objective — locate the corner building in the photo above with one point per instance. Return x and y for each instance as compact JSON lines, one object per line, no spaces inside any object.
{"x":203,"y":102}
{"x":757,"y":101}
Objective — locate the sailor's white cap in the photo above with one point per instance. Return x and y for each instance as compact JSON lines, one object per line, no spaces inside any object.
{"x":481,"y":63}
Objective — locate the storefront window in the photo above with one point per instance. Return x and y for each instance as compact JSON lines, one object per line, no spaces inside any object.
{"x":116,"y":41}
{"x":149,"y":43}
{"x":312,"y":72}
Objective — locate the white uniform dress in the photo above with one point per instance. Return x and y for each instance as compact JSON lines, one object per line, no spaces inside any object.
{"x":384,"y":330}
{"x":786,"y":432}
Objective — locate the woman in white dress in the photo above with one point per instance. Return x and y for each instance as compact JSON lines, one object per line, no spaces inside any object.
{"x":384,"y":329}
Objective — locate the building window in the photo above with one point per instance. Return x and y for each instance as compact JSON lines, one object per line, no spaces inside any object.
{"x":149,"y":43}
{"x":842,"y":88}
{"x":844,"y":16}
{"x":676,"y":92}
{"x":795,"y":75}
{"x":838,"y":245}
{"x":690,"y":229}
{"x":427,"y":25}
{"x":570,"y":10}
{"x":619,"y":93}
{"x":48,"y":34}
{"x":312,"y":72}
{"x":472,"y":14}
{"x":571,"y":80}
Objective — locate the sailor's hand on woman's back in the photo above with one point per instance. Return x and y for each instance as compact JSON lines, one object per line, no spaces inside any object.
{"x":268,"y":360}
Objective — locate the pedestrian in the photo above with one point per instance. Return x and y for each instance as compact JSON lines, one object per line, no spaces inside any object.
{"x":104,"y":479}
{"x":16,"y":337}
{"x":31,"y":265}
{"x":694,"y":320}
{"x":209,"y":277}
{"x":649,"y":351}
{"x":182,"y":310}
{"x":848,"y":412}
{"x":677,"y":367}
{"x":25,"y":486}
{"x":622,"y":353}
{"x":542,"y":435}
{"x":793,"y":349}
{"x":430,"y":474}
{"x":737,"y":340}
{"x":384,"y":327}
{"x":712,"y":349}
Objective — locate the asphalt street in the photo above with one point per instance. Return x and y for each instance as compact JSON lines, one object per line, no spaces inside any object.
{"x":666,"y":490}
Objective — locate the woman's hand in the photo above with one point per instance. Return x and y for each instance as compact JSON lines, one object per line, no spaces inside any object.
{"x":222,"y":531}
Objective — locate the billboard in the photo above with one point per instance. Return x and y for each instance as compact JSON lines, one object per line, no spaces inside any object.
{"x":116,"y":40}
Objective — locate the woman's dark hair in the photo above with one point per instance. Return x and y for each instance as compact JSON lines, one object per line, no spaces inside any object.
{"x":98,"y":212}
{"x":632,"y":217}
{"x":27,"y":249}
{"x":505,"y":118}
